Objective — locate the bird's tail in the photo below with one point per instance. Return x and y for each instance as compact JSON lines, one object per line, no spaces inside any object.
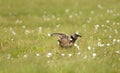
{"x":57,"y":34}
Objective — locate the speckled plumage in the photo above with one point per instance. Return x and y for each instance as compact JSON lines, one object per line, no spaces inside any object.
{"x":66,"y":41}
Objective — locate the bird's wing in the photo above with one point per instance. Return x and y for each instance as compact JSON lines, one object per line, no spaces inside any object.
{"x":61,"y":35}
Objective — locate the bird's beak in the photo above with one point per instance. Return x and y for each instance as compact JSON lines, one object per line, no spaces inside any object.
{"x":79,"y":35}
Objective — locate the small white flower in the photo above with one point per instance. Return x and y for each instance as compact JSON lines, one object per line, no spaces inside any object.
{"x":118,"y":23}
{"x":100,"y":44}
{"x":78,"y":53}
{"x":85,"y":57}
{"x":118,"y":52}
{"x":37,"y":54}
{"x":40,"y":30}
{"x":99,"y":6}
{"x":23,"y":26}
{"x":13,"y":32}
{"x":58,"y":25}
{"x":114,"y":23}
{"x":75,"y":45}
{"x":25,"y":56}
{"x":8,"y":56}
{"x":69,"y":55}
{"x":108,"y":44}
{"x":96,"y":26}
{"x":63,"y":54}
{"x":67,"y":10}
{"x":114,"y":40}
{"x":11,"y":28}
{"x":94,"y":55}
{"x":109,"y":11}
{"x":18,"y":21}
{"x":102,"y":25}
{"x":77,"y":32}
{"x":48,"y":61}
{"x":49,"y":54}
{"x":107,"y":21}
{"x":110,"y":36}
{"x":118,"y":40}
{"x":89,"y":48}
{"x":116,"y":31}
{"x":53,"y":16}
{"x":57,"y":18}
{"x":70,"y":16}
{"x":49,"y":34}
{"x":78,"y":47}
{"x":27,"y":32}
{"x":12,"y":39}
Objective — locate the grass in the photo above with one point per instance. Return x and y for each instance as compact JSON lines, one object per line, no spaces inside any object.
{"x":25,"y":46}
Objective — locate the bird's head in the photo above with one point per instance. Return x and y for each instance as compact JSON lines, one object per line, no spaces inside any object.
{"x":74,"y":37}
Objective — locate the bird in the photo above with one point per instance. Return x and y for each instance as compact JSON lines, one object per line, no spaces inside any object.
{"x":66,"y":41}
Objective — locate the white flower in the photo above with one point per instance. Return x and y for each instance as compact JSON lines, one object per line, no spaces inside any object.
{"x":85,"y":57}
{"x":110,"y":36}
{"x":40,"y":29}
{"x":118,"y":52}
{"x":69,"y":55}
{"x":70,"y":16}
{"x":99,"y":6}
{"x":78,"y":47}
{"x":77,"y":32}
{"x":67,"y":10}
{"x":114,"y":40}
{"x":100,"y":44}
{"x":25,"y":56}
{"x":108,"y":44}
{"x":109,"y":11}
{"x":13,"y":32}
{"x":63,"y":54}
{"x":12,"y":39}
{"x":107,"y":21}
{"x":75,"y":44}
{"x":23,"y":26}
{"x":118,"y":40}
{"x":102,"y":25}
{"x":96,"y":26}
{"x":18,"y":21}
{"x":116,"y":31}
{"x":94,"y":55}
{"x":89,"y":48}
{"x":49,"y":54}
{"x":118,"y":23}
{"x":27,"y":32}
{"x":57,"y":18}
{"x":37,"y":54}
{"x":53,"y":16}
{"x":78,"y":53}
{"x":8,"y":56}
{"x":49,"y":34}
{"x":58,"y":25}
{"x":48,"y":61}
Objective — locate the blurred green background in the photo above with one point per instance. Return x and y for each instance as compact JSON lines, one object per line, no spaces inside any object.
{"x":26,"y":47}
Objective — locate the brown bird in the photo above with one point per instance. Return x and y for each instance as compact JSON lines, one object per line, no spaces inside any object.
{"x":66,"y":41}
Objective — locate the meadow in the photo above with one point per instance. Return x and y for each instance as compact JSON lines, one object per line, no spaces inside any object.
{"x":27,"y":47}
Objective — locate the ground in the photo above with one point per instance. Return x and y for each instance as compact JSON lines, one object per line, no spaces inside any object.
{"x":27,"y":47}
